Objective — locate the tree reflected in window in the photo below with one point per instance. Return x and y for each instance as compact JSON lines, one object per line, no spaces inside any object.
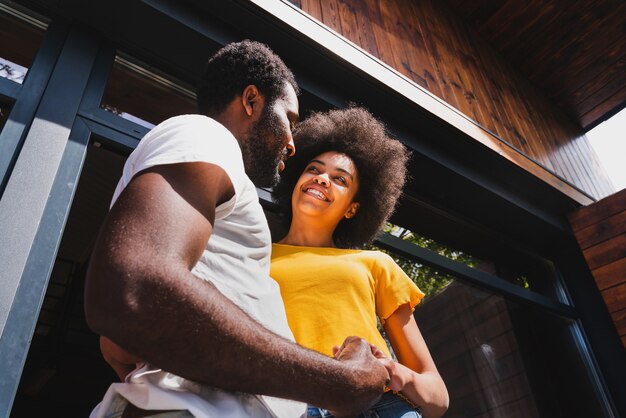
{"x":12,"y":71}
{"x":429,"y":280}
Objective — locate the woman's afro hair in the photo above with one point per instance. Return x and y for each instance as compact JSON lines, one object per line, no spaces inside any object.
{"x":236,"y":66}
{"x":380,"y":161}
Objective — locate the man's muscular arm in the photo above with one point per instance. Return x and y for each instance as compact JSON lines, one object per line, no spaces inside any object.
{"x":141,"y":294}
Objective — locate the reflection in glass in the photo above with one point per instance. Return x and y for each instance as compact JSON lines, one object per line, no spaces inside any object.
{"x":21,"y":37}
{"x":429,"y":280}
{"x":12,"y":71}
{"x":502,"y":359}
{"x":144,"y":96}
{"x":5,"y":107}
{"x":515,"y":266}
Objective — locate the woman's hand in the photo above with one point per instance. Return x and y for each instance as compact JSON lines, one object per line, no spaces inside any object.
{"x":119,"y":359}
{"x":397,"y":378}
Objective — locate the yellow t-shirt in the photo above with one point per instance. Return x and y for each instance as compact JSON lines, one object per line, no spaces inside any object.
{"x":332,"y":293}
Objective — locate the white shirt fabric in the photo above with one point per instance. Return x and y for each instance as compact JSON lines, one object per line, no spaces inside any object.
{"x":236,"y":260}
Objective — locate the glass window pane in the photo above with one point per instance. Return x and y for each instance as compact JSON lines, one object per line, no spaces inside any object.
{"x":21,"y":37}
{"x":513,"y":265}
{"x":503,"y":359}
{"x":5,"y":107}
{"x":145,"y":96}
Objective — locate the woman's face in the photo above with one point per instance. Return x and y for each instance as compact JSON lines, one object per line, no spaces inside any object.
{"x":327,"y":188}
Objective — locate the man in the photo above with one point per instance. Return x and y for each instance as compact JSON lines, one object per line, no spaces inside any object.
{"x":179,"y":274}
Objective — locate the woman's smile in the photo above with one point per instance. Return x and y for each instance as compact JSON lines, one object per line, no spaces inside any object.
{"x":316,"y":192}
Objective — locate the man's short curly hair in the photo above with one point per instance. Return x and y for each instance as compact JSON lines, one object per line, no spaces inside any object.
{"x":380,"y":161}
{"x":236,"y":66}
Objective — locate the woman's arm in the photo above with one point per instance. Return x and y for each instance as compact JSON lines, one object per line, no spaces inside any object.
{"x":119,"y":359}
{"x":415,"y":375}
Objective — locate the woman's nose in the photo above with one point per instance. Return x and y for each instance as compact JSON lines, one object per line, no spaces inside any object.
{"x":321,"y":179}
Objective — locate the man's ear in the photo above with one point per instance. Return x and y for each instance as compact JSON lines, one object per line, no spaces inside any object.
{"x":354,"y":207}
{"x":252,"y":100}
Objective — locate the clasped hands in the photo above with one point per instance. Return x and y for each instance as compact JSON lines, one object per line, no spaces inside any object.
{"x":395,"y":381}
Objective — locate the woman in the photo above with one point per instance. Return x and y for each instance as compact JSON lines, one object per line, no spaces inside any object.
{"x":336,"y":194}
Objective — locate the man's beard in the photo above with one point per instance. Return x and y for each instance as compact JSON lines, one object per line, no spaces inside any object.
{"x":262,"y":150}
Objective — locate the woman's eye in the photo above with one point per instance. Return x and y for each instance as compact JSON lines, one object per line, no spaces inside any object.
{"x":341,"y":180}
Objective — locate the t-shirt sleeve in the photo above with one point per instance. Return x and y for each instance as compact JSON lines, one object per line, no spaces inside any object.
{"x":393,"y":287}
{"x":190,"y":138}
{"x":186,"y":139}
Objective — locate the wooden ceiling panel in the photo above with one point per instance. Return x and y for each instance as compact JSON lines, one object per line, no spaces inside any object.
{"x":574,"y":51}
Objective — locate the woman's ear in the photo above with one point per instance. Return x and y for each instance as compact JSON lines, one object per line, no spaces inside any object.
{"x":354,"y":206}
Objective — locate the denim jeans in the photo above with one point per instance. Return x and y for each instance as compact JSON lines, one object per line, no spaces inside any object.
{"x":389,"y":406}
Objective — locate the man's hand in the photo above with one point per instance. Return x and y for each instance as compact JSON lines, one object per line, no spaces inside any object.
{"x":369,"y":376}
{"x":396,"y":379}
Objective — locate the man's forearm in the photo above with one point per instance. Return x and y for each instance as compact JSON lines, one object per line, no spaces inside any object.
{"x":210,"y":340}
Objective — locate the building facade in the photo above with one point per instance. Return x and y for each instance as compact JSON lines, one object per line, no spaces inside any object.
{"x":513,"y":316}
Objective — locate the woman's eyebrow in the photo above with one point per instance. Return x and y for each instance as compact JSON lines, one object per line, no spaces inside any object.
{"x":345,"y":171}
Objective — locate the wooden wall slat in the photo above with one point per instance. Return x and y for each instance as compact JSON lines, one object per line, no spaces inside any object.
{"x":615,"y":297}
{"x":603,"y":108}
{"x":600,"y":210}
{"x":606,"y":252}
{"x":587,"y":54}
{"x":428,"y":43}
{"x":365,"y":19}
{"x":609,"y":80}
{"x":594,"y":234}
{"x":437,"y":53}
{"x":349,"y":26}
{"x":603,"y":91}
{"x":312,"y":7}
{"x":600,"y":230}
{"x":619,"y":317}
{"x":610,"y":274}
{"x":330,"y":14}
{"x":421,"y":60}
{"x":417,"y":66}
